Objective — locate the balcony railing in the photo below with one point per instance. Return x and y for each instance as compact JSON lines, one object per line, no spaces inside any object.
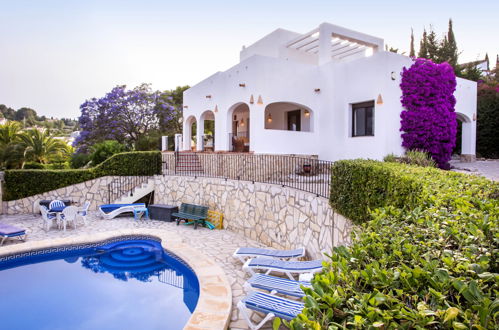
{"x":303,"y":173}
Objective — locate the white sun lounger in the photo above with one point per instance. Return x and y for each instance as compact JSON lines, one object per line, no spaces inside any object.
{"x":109,"y":211}
{"x":244,"y":253}
{"x":287,"y":267}
{"x":275,"y":285}
{"x":269,"y":304}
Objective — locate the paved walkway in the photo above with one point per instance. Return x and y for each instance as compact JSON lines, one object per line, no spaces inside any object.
{"x":487,"y":168}
{"x":216,"y":244}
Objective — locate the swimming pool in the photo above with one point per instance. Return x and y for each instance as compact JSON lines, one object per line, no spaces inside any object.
{"x":116,"y":284}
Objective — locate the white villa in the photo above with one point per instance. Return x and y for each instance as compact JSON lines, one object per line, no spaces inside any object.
{"x":331,"y":92}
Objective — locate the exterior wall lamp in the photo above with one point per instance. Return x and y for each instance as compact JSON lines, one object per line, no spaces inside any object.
{"x":208,"y":96}
{"x":269,"y":118}
{"x":317,"y":90}
{"x":260,"y":101}
{"x":307,"y":113}
{"x":242,"y":85}
{"x":242,"y":122}
{"x":252,"y":100}
{"x":216,"y":108}
{"x":392,"y":75}
{"x":379,"y":100}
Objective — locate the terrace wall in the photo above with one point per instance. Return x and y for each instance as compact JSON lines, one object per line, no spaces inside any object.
{"x":280,"y":217}
{"x":94,"y":191}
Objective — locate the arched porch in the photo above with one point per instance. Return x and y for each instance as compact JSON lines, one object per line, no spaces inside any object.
{"x":238,"y":126}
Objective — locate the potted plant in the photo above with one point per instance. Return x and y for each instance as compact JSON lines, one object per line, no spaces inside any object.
{"x":307,"y":168}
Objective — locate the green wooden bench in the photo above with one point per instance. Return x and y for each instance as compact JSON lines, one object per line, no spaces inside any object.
{"x":195,"y":214}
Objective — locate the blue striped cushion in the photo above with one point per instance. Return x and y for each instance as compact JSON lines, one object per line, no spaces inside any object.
{"x":286,"y":265}
{"x":270,"y":252}
{"x":266,"y":303}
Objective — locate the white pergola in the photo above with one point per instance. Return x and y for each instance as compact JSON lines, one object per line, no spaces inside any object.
{"x":331,"y":42}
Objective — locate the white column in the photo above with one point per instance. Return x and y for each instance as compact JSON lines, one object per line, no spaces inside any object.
{"x":468,"y":146}
{"x":187,"y":134}
{"x":325,"y":36}
{"x":199,"y":135}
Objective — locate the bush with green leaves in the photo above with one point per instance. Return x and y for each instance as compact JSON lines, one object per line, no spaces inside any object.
{"x":79,"y":160}
{"x":431,"y":263}
{"x":25,"y":183}
{"x":103,"y":150}
{"x":411,"y":157}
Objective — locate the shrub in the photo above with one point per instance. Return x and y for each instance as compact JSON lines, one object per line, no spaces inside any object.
{"x":33,"y":166}
{"x":429,"y":122}
{"x":104,"y":150}
{"x":487,"y":139}
{"x":24,"y":183}
{"x":433,"y":264}
{"x":79,"y":160}
{"x":412,"y":157}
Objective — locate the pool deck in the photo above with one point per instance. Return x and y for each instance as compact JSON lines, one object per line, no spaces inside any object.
{"x":217,"y":245}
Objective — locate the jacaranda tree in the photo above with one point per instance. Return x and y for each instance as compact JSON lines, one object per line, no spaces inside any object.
{"x":429,"y":122}
{"x":123,"y":115}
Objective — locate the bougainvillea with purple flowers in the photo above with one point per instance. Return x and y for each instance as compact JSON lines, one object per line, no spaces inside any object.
{"x":429,"y":122}
{"x":123,"y":115}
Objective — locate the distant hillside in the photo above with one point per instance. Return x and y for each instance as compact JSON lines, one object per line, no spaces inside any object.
{"x":29,"y":118}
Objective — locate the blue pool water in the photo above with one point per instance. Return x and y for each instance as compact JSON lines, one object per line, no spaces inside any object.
{"x":132,"y":284}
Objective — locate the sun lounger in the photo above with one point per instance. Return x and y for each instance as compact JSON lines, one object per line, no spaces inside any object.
{"x":243,"y":253}
{"x":274,"y":285}
{"x":271,"y":305}
{"x":8,"y":231}
{"x":287,"y":267}
{"x":109,"y":211}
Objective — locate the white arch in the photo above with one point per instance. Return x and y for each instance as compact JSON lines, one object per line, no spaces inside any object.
{"x":187,"y":131}
{"x":206,"y":115}
{"x":239,"y":109}
{"x":275,"y":113}
{"x":467,"y":136}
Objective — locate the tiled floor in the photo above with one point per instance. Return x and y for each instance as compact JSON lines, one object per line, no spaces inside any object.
{"x":216,"y":244}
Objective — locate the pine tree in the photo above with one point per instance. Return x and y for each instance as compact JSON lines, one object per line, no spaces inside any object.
{"x":423,"y":46}
{"x":412,"y":52}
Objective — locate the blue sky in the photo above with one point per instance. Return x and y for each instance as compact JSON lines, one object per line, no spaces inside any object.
{"x":55,"y":54}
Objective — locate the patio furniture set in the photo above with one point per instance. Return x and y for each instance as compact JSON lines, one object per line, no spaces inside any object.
{"x":62,"y":213}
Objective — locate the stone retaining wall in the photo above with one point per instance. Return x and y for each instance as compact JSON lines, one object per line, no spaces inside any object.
{"x":94,"y":191}
{"x":276,"y":216}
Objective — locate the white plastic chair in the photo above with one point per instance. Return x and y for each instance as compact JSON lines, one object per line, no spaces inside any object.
{"x":83,"y":211}
{"x":69,"y":215}
{"x":48,"y":218}
{"x":56,"y":203}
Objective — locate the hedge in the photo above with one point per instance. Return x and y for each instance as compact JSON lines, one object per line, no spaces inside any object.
{"x":426,"y":258}
{"x":25,"y":183}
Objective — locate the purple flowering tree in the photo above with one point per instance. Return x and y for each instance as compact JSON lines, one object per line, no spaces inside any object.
{"x":123,"y":115}
{"x":429,"y":122}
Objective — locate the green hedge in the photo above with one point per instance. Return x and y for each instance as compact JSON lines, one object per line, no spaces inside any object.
{"x":426,"y":258}
{"x":25,"y":183}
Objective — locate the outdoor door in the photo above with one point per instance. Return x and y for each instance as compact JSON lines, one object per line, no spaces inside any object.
{"x":294,"y":120}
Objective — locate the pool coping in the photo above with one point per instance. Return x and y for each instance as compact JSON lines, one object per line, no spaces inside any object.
{"x":214,"y":305}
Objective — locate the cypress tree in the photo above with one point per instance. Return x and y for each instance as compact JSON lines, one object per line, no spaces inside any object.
{"x":451,"y":53}
{"x":487,"y":60}
{"x":423,"y":46}
{"x":432,"y":46}
{"x":412,"y":52}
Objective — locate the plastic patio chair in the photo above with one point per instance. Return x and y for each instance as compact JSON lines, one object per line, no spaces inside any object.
{"x":69,"y":215}
{"x":83,"y":211}
{"x":47,"y":217}
{"x":56,"y":203}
